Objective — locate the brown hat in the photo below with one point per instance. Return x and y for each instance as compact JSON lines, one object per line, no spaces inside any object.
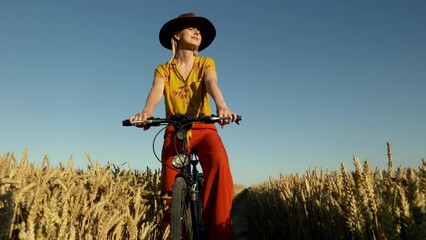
{"x":208,"y":31}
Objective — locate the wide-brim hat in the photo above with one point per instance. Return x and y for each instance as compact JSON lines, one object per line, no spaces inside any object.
{"x":207,"y":29}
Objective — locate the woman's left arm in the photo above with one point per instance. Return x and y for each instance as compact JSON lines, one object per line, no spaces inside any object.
{"x":212,"y":88}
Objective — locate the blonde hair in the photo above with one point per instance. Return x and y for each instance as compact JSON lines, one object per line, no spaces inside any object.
{"x":175,"y":47}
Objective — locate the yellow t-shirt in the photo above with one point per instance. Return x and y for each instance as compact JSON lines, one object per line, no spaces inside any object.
{"x":186,"y":96}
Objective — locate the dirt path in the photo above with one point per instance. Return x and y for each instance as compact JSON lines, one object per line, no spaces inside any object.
{"x":239,"y":218}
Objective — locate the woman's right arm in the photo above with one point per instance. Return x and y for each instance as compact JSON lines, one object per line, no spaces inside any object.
{"x":154,"y":97}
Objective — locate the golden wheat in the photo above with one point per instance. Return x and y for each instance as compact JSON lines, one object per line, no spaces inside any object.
{"x":62,"y":203}
{"x":364,"y":204}
{"x":106,"y":202}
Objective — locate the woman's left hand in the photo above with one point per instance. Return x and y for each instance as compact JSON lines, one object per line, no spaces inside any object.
{"x":224,"y":111}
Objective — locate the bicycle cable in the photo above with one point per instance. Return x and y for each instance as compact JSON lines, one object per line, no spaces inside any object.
{"x":179,"y":128}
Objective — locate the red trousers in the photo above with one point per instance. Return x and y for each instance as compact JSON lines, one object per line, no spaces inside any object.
{"x":218,"y":190}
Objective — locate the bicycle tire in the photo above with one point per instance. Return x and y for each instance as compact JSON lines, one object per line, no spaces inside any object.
{"x":180,"y":211}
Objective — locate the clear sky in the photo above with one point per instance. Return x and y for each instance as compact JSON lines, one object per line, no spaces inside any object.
{"x":316,"y":82}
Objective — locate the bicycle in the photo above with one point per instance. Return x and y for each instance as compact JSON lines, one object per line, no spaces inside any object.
{"x":186,"y":205}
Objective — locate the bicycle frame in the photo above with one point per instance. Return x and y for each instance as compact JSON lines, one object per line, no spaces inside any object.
{"x":194,"y":181}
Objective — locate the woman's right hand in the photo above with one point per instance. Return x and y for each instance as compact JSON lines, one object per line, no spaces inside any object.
{"x":142,"y":116}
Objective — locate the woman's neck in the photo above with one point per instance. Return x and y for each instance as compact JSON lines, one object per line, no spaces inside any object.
{"x":185,"y":57}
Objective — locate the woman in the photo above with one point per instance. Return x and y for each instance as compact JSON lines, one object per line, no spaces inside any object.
{"x":187,"y":81}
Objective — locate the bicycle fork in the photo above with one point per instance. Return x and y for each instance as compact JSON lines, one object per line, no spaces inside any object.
{"x":196,"y":203}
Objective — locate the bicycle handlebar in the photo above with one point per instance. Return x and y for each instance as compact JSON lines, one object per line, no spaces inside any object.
{"x":182,"y":119}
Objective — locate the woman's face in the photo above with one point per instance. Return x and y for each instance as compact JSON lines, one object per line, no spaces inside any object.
{"x":189,"y":37}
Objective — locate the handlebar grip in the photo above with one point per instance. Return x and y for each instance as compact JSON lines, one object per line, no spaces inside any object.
{"x":127,"y":123}
{"x":239,"y":118}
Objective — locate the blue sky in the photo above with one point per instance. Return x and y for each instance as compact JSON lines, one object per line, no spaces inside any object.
{"x":316,"y":82}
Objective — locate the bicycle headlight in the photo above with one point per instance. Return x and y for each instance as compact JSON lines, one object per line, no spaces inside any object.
{"x":180,"y":161}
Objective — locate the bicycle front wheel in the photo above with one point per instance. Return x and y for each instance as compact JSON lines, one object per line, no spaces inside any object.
{"x":180,"y":211}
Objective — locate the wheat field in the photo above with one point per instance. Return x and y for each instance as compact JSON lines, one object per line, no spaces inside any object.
{"x":364,"y":204}
{"x":63,"y":203}
{"x":106,"y":202}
